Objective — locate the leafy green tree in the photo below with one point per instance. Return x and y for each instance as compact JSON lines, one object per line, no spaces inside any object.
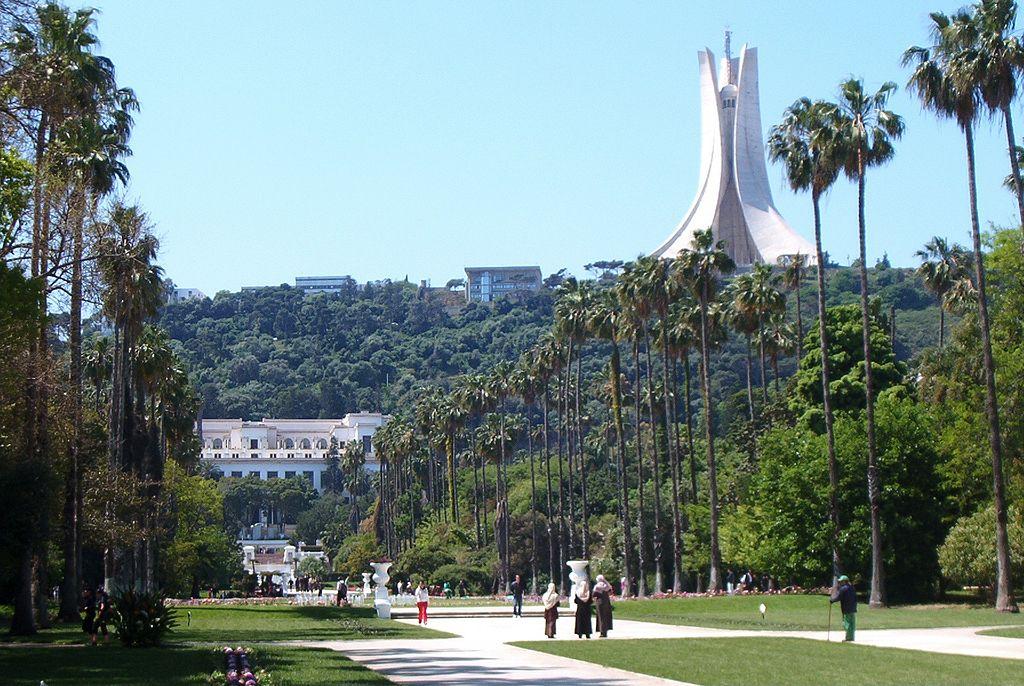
{"x":846,"y":363}
{"x":198,"y":552}
{"x":968,"y":555}
{"x":313,"y":567}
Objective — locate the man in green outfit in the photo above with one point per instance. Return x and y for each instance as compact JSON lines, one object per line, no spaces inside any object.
{"x":846,"y":596}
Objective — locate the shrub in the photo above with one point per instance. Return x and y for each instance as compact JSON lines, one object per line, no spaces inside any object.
{"x":142,"y":619}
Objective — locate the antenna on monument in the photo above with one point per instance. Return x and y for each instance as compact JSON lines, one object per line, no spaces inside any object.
{"x":728,"y":55}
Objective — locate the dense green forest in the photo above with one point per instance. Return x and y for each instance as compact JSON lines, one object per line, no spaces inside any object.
{"x":276,"y":352}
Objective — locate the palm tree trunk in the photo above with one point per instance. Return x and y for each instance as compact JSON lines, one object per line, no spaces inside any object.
{"x":760,"y":353}
{"x":533,"y":506}
{"x":877,"y":597}
{"x":750,"y":380}
{"x":1018,"y":187}
{"x":714,"y":577}
{"x":563,"y":545}
{"x":476,"y":497}
{"x":582,"y":458}
{"x":942,"y":324}
{"x":641,"y":582}
{"x":826,"y":393}
{"x":570,"y":448}
{"x":620,"y":445}
{"x":553,"y":561}
{"x":72,"y":485}
{"x":504,"y":523}
{"x":453,"y":494}
{"x":799,"y":325}
{"x":1005,"y":601}
{"x":673,"y":459}
{"x":689,"y":428}
{"x":656,"y":467}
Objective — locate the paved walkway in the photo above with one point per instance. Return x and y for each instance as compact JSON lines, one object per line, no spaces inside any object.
{"x":481,"y":655}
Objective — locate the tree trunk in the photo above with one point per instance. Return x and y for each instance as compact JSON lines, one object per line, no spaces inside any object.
{"x":1005,"y":601}
{"x":799,"y":324}
{"x":533,"y":506}
{"x":552,"y":555}
{"x":641,"y":582}
{"x":563,"y":546}
{"x":750,"y":380}
{"x":714,"y":577}
{"x":877,"y":597}
{"x":1018,"y":187}
{"x":658,"y":535}
{"x":585,"y":514}
{"x":826,"y":394}
{"x":673,"y":459}
{"x":620,"y":445}
{"x":689,"y":428}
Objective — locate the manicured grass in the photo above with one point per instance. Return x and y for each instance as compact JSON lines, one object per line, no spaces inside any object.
{"x":244,"y":624}
{"x":1009,"y":632}
{"x":171,"y":666}
{"x":802,"y":613}
{"x":786,"y":662}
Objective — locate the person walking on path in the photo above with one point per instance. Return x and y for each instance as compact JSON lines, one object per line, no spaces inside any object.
{"x":422,"y":600}
{"x":551,"y":600}
{"x":89,"y":621}
{"x":584,"y":602}
{"x":517,"y":597}
{"x":603,"y":604}
{"x":844,"y":593}
{"x":104,"y":615}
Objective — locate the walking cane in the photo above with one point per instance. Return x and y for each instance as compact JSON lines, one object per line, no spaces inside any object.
{"x":828,"y":633}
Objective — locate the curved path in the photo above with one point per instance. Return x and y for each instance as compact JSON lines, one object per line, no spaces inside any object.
{"x":480,"y":655}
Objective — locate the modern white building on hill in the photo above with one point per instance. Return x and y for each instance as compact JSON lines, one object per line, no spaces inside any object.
{"x":486,"y":284}
{"x":282,"y":448}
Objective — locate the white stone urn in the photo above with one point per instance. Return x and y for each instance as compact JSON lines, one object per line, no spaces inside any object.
{"x":577,"y":574}
{"x":366,"y":585}
{"x":380,"y":599}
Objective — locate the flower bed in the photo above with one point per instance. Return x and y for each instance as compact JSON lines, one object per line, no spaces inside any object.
{"x":239,"y":670}
{"x":198,"y":602}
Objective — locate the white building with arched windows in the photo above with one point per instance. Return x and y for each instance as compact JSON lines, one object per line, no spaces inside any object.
{"x":282,"y":448}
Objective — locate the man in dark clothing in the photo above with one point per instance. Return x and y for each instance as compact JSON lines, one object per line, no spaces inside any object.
{"x":730,"y":581}
{"x":517,"y":597}
{"x":846,"y":596}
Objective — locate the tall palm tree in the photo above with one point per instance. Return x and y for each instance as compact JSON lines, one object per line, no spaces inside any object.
{"x":684,"y":336}
{"x":941,"y":267}
{"x":545,"y":359}
{"x":792,"y":279}
{"x":500,"y":387}
{"x":352,"y":457}
{"x":991,"y":35}
{"x":702,"y":265}
{"x":743,"y":320}
{"x":946,"y":78}
{"x":643,"y":285}
{"x":866,"y":131}
{"x":805,"y":142}
{"x":778,"y":338}
{"x":605,"y":321}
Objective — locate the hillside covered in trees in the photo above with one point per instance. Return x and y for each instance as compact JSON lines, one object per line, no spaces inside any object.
{"x":276,"y":352}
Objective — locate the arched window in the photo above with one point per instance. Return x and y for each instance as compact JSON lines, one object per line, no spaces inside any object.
{"x":217,"y":444}
{"x":321,"y":444}
{"x":289,"y":443}
{"x":305,"y":445}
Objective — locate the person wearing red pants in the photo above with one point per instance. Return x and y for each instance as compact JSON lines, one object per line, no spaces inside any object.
{"x":422,"y":600}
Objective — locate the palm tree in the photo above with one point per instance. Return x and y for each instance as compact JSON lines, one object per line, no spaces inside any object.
{"x":701,"y":266}
{"x":684,"y":335}
{"x":805,"y":143}
{"x":632,"y":331}
{"x":792,"y":279}
{"x":352,"y":458}
{"x":866,"y":131}
{"x":500,"y":387}
{"x":744,"y":321}
{"x":605,"y":320}
{"x":941,"y":267}
{"x":778,"y":338}
{"x":946,"y":78}
{"x":1002,"y":58}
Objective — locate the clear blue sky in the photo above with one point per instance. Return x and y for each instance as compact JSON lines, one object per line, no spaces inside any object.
{"x":385,"y":139}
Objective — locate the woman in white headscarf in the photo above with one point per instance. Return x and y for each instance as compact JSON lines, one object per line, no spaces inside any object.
{"x":584,"y":602}
{"x":603,"y":604}
{"x":551,"y":600}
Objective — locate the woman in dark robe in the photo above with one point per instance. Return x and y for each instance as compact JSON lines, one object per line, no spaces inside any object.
{"x":583,"y":604}
{"x":603,"y":604}
{"x":551,"y":600}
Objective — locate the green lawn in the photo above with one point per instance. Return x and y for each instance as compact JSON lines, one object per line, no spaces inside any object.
{"x":802,"y":613}
{"x":786,"y":662}
{"x":1008,"y":632}
{"x":244,"y":624}
{"x":173,"y":666}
